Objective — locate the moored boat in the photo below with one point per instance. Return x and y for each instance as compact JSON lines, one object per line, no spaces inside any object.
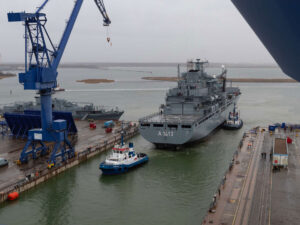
{"x":80,"y":111}
{"x":194,"y":109}
{"x":234,"y":121}
{"x":122,"y":159}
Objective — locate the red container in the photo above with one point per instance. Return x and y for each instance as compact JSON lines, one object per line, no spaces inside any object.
{"x":93,"y":126}
{"x":289,"y":140}
{"x":108,"y":130}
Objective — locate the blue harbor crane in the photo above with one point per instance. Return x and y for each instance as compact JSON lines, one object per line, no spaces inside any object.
{"x":42,"y":59}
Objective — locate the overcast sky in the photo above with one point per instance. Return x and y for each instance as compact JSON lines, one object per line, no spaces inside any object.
{"x":141,"y":31}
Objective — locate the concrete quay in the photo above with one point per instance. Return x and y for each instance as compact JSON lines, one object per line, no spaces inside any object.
{"x":252,"y":193}
{"x":88,"y":143}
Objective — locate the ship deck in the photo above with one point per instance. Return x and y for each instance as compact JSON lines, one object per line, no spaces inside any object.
{"x":180,"y":118}
{"x":170,"y":119}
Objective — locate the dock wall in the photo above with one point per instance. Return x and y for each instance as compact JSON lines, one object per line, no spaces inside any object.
{"x":81,"y":156}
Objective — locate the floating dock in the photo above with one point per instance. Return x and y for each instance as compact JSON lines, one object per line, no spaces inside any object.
{"x":88,"y":143}
{"x":252,"y":190}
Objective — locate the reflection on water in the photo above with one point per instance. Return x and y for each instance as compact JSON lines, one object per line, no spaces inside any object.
{"x":55,"y":201}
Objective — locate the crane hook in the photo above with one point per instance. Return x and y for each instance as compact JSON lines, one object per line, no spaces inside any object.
{"x":108,"y":36}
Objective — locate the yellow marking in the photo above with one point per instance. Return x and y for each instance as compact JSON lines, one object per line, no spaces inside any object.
{"x":232,"y":201}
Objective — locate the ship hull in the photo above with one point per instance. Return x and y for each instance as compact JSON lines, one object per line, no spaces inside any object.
{"x":99,"y":116}
{"x":165,"y":137}
{"x":233,"y":126}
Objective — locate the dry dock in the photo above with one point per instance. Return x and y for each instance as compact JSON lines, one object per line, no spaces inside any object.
{"x":88,"y":144}
{"x":252,"y":192}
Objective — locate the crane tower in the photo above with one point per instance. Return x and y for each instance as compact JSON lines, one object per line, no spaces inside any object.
{"x":42,"y":59}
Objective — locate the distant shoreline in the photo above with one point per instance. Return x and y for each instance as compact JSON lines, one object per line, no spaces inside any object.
{"x":262,"y":80}
{"x":6,"y":75}
{"x":100,"y":65}
{"x":95,"y":81}
{"x":234,"y":80}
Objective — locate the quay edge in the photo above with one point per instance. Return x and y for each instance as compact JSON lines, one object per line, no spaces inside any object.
{"x":86,"y":153}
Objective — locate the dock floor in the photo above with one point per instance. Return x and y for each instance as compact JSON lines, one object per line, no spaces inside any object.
{"x":10,"y":148}
{"x":255,"y":194}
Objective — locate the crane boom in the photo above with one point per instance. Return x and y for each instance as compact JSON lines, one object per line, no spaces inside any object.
{"x":42,"y":6}
{"x":101,"y":7}
{"x":64,"y":40}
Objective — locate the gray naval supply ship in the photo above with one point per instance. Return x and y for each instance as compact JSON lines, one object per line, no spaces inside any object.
{"x":197,"y":106}
{"x":80,"y":111}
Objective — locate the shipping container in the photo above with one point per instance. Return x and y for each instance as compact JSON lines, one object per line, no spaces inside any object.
{"x":109,"y":124}
{"x":272,"y":128}
{"x":280,"y":152}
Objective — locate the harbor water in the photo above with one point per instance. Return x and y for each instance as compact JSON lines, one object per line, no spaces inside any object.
{"x":174,"y":187}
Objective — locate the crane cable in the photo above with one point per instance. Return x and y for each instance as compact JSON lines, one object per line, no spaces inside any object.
{"x":108,"y":36}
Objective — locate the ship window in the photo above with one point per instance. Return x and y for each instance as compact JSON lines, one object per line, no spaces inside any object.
{"x":145,"y":125}
{"x":158,"y":125}
{"x":186,"y":126}
{"x":173,"y":126}
{"x":114,"y":160}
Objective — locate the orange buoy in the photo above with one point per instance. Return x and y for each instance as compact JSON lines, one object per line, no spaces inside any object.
{"x":13,"y":196}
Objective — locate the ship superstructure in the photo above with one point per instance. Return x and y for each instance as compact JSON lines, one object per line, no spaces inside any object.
{"x":80,"y":111}
{"x":198,"y":105}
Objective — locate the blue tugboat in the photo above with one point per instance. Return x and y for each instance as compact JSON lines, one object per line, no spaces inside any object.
{"x":122,"y":159}
{"x":234,"y":121}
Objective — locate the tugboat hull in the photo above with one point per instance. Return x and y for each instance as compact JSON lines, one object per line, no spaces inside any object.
{"x":233,"y":126}
{"x":109,"y":169}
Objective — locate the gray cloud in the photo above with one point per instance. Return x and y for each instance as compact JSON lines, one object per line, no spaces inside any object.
{"x":142,"y":31}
